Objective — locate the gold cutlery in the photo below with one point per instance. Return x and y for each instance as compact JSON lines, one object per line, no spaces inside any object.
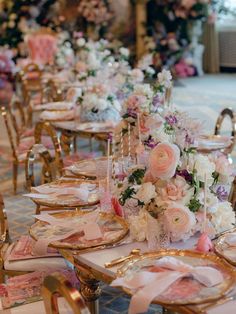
{"x":117,"y":261}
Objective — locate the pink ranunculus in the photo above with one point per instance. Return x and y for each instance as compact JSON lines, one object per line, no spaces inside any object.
{"x":163,"y":160}
{"x":179,"y":220}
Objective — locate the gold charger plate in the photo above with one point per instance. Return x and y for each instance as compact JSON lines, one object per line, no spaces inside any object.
{"x":184,"y":292}
{"x":86,"y":168}
{"x":114,"y":229}
{"x":68,"y":200}
{"x":224,"y":250}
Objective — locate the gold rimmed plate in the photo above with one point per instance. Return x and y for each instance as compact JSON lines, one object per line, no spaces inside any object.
{"x":213,"y":142}
{"x":54,"y":194}
{"x":86,"y":168}
{"x":186,"y":290}
{"x":113,"y":228}
{"x":223,"y":249}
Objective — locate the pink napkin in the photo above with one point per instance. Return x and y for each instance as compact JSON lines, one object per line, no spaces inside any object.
{"x":57,"y":105}
{"x":148,"y":285}
{"x":90,"y":228}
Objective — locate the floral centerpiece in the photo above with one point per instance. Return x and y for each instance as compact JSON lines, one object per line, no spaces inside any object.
{"x":183,"y":190}
{"x":98,"y":103}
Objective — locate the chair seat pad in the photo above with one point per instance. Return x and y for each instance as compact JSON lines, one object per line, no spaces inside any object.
{"x":33,"y":264}
{"x":38,"y":308}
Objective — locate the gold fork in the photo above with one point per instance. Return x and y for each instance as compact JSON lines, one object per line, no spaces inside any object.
{"x":117,"y":261}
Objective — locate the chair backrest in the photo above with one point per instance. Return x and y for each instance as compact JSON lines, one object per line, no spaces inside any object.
{"x":52,"y":92}
{"x":4,"y":231}
{"x":55,"y":285}
{"x":6,"y":120}
{"x":19,"y":123}
{"x":43,"y":128}
{"x":227,"y":112}
{"x":48,"y":172}
{"x":42,"y":46}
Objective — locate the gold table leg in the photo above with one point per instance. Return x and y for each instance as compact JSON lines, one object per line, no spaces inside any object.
{"x":90,"y":291}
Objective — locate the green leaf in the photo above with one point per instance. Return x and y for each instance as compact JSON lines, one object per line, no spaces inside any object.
{"x":137,"y":176}
{"x":126,"y":194}
{"x":194,"y":205}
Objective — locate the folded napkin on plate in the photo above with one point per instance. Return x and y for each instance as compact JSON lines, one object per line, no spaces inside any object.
{"x":57,"y":115}
{"x":148,"y":285}
{"x":49,"y":193}
{"x":89,"y":227}
{"x":58,"y":105}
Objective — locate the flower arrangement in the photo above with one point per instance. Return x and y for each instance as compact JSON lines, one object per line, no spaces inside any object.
{"x":171,"y":181}
{"x":172,"y":189}
{"x":99,"y":104}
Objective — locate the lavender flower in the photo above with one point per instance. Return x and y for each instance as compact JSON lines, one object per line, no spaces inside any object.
{"x":221,"y":194}
{"x":171,"y":120}
{"x":156,"y":101}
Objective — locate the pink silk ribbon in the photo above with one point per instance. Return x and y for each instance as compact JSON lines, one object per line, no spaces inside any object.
{"x":148,"y":285}
{"x":90,"y":228}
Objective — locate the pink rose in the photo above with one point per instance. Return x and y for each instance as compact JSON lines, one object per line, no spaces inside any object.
{"x":174,"y":190}
{"x":163,"y":160}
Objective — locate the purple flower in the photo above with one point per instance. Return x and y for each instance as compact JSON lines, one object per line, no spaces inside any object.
{"x":150,"y":142}
{"x":171,"y":120}
{"x":156,"y":101}
{"x":221,"y":194}
{"x":120,"y":95}
{"x":132,"y":113}
{"x":185,"y":174}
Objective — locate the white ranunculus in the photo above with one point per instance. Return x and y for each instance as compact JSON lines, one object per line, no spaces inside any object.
{"x":203,"y":167}
{"x":146,"y":193}
{"x":223,"y":218}
{"x":124,"y":51}
{"x":164,"y":78}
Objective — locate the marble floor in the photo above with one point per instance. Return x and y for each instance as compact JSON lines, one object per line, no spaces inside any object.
{"x":202,"y":97}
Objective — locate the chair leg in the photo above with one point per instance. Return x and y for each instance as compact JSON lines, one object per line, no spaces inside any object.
{"x":15,"y":174}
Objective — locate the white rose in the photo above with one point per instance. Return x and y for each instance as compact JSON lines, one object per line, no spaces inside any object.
{"x":93,"y":61}
{"x":223,"y":218}
{"x":211,"y":201}
{"x":138,"y":226}
{"x":81,"y":42}
{"x":150,"y":71}
{"x":143,"y":89}
{"x":124,"y":51}
{"x":137,"y":75}
{"x":146,"y":193}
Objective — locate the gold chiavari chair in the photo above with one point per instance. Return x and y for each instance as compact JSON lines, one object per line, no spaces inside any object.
{"x":45,"y":127}
{"x":39,"y":151}
{"x":52,"y":92}
{"x":56,"y":285}
{"x":227,"y":112}
{"x":20,"y":267}
{"x":21,"y":141}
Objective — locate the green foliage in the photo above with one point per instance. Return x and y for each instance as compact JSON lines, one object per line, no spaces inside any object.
{"x":126,"y":195}
{"x":137,"y":176}
{"x":194,"y":205}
